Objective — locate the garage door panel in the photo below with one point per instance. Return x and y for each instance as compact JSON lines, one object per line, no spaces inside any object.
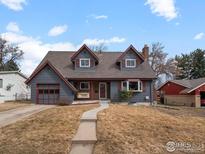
{"x":48,"y":94}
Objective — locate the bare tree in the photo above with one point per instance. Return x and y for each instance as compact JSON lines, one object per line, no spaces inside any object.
{"x":10,"y":55}
{"x":99,"y":48}
{"x":164,"y":67}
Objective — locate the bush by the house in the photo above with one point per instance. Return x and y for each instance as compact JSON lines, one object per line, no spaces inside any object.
{"x":125,"y":95}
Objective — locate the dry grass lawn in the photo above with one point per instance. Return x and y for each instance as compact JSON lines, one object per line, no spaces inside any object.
{"x":130,"y":129}
{"x":11,"y":105}
{"x":49,"y":131}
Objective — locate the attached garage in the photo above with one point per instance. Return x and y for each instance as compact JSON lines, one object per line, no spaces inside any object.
{"x":48,"y":86}
{"x":48,"y":93}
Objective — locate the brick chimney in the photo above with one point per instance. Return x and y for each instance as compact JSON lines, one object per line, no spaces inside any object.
{"x":145,"y":52}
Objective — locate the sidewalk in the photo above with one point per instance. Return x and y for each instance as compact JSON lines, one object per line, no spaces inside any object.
{"x":85,"y":138}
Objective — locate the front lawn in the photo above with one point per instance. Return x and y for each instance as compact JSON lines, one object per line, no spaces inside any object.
{"x":11,"y":105}
{"x":49,"y":131}
{"x":136,"y":129}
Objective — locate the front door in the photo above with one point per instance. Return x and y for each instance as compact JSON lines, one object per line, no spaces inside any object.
{"x":102,"y":90}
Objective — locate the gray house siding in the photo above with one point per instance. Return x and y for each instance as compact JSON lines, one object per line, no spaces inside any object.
{"x":48,"y":76}
{"x":137,"y":97}
{"x":141,"y":96}
{"x":114,"y":90}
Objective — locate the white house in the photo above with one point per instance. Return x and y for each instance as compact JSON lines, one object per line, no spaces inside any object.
{"x":12,"y":86}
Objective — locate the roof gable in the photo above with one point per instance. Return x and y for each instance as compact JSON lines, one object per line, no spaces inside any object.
{"x":87,"y":49}
{"x":47,"y":63}
{"x":171,"y":81}
{"x":131,"y":47}
{"x":190,"y":85}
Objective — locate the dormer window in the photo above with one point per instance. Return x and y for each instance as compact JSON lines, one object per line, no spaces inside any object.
{"x":85,"y":62}
{"x":130,"y":63}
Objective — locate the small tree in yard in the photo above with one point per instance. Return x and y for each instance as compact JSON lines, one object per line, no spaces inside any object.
{"x":10,"y":56}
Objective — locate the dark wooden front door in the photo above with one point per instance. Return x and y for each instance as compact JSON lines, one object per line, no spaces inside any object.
{"x":102,"y":90}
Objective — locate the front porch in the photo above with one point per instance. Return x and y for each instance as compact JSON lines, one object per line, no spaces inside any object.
{"x":92,"y":90}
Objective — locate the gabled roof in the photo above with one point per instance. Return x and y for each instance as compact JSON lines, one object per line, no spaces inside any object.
{"x":88,"y":49}
{"x":14,"y":72}
{"x":127,"y":50}
{"x":48,"y":63}
{"x":190,"y":85}
{"x":106,"y":69}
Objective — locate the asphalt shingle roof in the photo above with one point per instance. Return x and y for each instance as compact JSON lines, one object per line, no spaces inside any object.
{"x":107,"y":67}
{"x":189,"y":84}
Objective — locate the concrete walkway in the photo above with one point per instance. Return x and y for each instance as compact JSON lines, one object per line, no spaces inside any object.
{"x":85,"y":138}
{"x":11,"y":116}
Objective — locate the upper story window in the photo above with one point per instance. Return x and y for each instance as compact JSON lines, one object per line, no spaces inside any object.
{"x":135,"y":86}
{"x":130,"y":63}
{"x":84,"y":86}
{"x":1,"y":83}
{"x":84,"y":62}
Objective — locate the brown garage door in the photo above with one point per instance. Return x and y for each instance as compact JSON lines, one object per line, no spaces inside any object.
{"x":48,"y":93}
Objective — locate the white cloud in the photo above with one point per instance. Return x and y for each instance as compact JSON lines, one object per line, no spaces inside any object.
{"x":104,"y":41}
{"x":97,"y":17}
{"x":199,"y":36}
{"x":164,"y":8}
{"x":101,"y":17}
{"x":15,"y":5}
{"x":13,"y":27}
{"x":34,"y":49}
{"x":177,"y":23}
{"x":58,"y":30}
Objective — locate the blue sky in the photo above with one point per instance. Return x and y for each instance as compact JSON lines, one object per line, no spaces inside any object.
{"x":38,"y":26}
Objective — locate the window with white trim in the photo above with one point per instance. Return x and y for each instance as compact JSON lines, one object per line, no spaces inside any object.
{"x":84,"y":85}
{"x":130,"y":63}
{"x":135,"y":86}
{"x":84,"y":62}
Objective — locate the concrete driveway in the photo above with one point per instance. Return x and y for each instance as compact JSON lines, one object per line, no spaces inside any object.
{"x":11,"y":116}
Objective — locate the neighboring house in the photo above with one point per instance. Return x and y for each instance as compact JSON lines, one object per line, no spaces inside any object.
{"x":12,"y":86}
{"x":183,"y":92}
{"x":84,"y":74}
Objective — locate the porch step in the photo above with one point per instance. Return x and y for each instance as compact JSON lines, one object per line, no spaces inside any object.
{"x":89,"y":120}
{"x":90,"y":141}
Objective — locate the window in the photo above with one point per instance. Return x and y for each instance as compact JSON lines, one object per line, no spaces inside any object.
{"x":84,"y":86}
{"x":130,"y":63}
{"x":135,"y":86}
{"x":1,"y":83}
{"x":85,"y":62}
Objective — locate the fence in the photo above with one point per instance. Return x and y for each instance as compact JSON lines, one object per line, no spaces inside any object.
{"x":22,"y":97}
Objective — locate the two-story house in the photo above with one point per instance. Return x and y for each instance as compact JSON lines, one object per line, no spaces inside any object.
{"x":84,"y":74}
